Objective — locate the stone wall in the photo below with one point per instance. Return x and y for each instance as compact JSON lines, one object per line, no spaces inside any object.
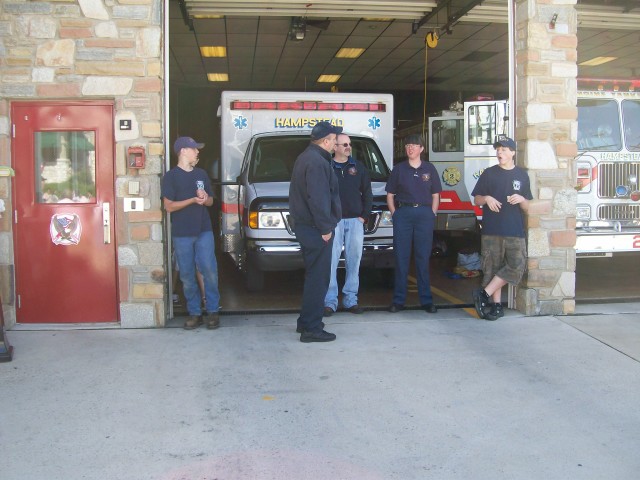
{"x":546,"y":126}
{"x":95,"y":49}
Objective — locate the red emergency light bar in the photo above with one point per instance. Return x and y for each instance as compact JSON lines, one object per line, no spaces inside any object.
{"x":334,"y":106}
{"x":609,"y":84}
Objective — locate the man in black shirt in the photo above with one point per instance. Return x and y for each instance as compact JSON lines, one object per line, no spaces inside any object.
{"x":314,"y":204}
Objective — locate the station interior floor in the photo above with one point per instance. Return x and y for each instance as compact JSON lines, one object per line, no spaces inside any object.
{"x":609,"y":279}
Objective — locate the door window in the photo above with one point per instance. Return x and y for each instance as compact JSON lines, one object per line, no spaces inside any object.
{"x":66,"y":162}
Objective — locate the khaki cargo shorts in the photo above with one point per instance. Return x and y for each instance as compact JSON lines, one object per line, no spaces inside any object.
{"x":505,"y":257}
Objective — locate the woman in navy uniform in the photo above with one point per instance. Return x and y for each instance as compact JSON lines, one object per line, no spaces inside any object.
{"x":413,"y":197}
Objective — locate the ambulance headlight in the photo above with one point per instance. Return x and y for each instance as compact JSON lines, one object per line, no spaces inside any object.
{"x":583,"y":212}
{"x":385,"y":219}
{"x":270,"y":220}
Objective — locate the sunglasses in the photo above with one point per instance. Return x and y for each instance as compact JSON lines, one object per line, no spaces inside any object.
{"x":345,"y":145}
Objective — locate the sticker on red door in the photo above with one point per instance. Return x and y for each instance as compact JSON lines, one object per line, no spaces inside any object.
{"x":65,"y":229}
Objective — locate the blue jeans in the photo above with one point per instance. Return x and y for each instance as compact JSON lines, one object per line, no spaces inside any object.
{"x":316,"y":254}
{"x":412,"y":227}
{"x":350,"y":233}
{"x":198,"y":251}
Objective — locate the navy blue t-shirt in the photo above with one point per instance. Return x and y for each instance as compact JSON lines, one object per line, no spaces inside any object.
{"x":500,"y":183}
{"x":414,"y":185}
{"x":355,"y":188}
{"x":178,"y":184}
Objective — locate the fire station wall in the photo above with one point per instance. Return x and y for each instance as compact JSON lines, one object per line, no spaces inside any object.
{"x":95,"y":49}
{"x":546,"y":126}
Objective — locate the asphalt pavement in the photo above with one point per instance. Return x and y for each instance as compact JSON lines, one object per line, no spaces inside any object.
{"x":404,"y":396}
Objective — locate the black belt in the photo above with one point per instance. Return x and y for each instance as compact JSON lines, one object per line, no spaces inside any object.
{"x":414,"y":205}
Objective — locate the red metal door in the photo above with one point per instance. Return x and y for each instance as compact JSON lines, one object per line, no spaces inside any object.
{"x":65,"y":256}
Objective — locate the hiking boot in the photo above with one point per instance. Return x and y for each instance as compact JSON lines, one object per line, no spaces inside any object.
{"x":496,"y":312}
{"x":430,"y":308}
{"x":212,"y":320}
{"x":481,"y":302}
{"x":191,"y":322}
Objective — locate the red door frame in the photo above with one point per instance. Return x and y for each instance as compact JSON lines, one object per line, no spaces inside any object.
{"x":64,"y":283}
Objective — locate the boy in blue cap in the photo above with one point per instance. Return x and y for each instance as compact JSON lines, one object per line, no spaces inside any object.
{"x":186,"y":194}
{"x":503,"y":191}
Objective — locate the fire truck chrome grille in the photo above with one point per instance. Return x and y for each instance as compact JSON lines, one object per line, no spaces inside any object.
{"x":618,"y":212}
{"x":613,"y":175}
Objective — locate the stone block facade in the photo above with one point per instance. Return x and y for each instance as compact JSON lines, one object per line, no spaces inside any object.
{"x":546,"y":120}
{"x":96,"y":49}
{"x":112,"y":49}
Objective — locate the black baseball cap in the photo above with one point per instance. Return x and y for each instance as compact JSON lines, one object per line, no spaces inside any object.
{"x":323,"y":129}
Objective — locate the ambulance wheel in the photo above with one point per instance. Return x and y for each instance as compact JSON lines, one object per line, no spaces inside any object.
{"x":254,"y":279}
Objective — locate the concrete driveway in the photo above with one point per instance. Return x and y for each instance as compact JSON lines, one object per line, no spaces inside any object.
{"x":397,"y":396}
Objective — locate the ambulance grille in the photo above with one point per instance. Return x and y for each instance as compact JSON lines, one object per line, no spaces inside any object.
{"x":612,"y":175}
{"x":618,"y":212}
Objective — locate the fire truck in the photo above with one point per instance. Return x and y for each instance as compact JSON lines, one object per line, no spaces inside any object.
{"x":607,"y":167}
{"x":262,"y":133}
{"x":460,"y":146}
{"x":607,"y":170}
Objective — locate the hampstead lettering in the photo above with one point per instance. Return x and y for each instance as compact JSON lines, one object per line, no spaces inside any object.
{"x":620,"y":156}
{"x":305,"y":122}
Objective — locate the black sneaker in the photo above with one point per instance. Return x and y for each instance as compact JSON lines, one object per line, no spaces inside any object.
{"x":481,"y":302}
{"x":321,"y":336}
{"x":300,"y":329}
{"x":496,"y":312}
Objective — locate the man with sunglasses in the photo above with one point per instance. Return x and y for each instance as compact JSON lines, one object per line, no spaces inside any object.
{"x":355,"y":199}
{"x":314,"y":205}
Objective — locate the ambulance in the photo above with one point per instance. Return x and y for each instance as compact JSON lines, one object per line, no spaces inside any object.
{"x":262,"y":134}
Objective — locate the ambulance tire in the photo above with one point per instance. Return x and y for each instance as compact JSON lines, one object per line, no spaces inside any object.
{"x":254,"y":279}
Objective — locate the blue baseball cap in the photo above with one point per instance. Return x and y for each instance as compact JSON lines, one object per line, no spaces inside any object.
{"x":323,"y":129}
{"x":505,"y":142}
{"x":186,"y":142}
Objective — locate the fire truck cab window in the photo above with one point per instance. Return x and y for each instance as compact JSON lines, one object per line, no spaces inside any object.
{"x":481,"y":121}
{"x":598,"y":125}
{"x":631,"y":119}
{"x":446,"y":135}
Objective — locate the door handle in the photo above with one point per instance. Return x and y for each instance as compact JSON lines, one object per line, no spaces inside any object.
{"x":106,"y":222}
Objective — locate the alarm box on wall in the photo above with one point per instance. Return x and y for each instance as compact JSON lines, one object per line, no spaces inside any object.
{"x":135,"y":157}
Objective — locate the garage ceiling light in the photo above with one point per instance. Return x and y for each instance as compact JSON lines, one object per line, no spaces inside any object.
{"x":218,"y":52}
{"x":349,"y":52}
{"x":328,"y":78}
{"x":218,"y":77}
{"x":597,"y":61}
